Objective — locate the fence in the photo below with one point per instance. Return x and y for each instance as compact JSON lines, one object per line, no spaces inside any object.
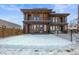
{"x":4,"y":32}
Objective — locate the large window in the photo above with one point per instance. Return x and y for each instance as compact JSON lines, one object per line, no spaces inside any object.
{"x":29,"y":17}
{"x":54,"y":19}
{"x":36,"y":18}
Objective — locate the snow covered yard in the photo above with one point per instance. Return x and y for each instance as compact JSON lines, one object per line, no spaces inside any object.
{"x":48,"y":51}
{"x":37,"y":44}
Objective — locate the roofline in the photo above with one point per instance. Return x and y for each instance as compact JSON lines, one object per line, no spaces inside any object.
{"x":36,"y":8}
{"x":63,"y":14}
{"x":24,"y":10}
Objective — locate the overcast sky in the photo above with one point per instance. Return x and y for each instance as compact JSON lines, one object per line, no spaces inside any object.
{"x":12,"y":13}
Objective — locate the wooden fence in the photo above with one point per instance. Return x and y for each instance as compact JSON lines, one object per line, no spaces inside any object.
{"x":4,"y":32}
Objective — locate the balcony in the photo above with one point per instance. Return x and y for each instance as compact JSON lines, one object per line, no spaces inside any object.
{"x":44,"y":22}
{"x":36,"y":21}
{"x":58,"y":23}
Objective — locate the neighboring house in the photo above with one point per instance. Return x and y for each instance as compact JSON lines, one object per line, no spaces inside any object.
{"x":43,"y":20}
{"x":8,"y":24}
{"x":74,"y":27}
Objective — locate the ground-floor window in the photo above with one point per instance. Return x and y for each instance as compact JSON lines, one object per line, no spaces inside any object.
{"x":37,"y":28}
{"x":45,"y":28}
{"x":52,"y":28}
{"x":55,"y":28}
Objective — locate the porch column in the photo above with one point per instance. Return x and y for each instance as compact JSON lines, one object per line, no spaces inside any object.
{"x":26,"y":28}
{"x":48,"y":28}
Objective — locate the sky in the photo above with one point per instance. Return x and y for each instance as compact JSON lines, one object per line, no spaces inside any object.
{"x":12,"y":12}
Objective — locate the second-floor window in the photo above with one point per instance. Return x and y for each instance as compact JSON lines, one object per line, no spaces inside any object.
{"x":29,"y":17}
{"x":37,"y":18}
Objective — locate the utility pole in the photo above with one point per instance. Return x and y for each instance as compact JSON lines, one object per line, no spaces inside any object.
{"x":78,"y":14}
{"x":78,"y":18}
{"x":71,"y":35}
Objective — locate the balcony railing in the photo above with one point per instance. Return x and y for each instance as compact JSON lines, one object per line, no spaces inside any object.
{"x":43,"y":21}
{"x":37,"y":21}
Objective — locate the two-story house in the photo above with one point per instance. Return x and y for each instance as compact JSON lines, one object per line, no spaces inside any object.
{"x":43,"y":20}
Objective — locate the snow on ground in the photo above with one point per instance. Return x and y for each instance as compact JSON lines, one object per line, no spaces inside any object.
{"x":36,"y":40}
{"x":36,"y":44}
